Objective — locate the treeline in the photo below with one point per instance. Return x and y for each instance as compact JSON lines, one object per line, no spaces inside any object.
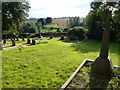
{"x":95,"y":18}
{"x":75,"y":21}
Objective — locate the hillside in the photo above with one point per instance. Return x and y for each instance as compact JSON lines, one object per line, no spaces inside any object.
{"x":62,"y":22}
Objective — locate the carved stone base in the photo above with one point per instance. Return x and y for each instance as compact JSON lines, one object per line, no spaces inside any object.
{"x":102,"y":67}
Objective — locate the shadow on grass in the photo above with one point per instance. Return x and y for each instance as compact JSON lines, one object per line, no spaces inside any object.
{"x":68,"y":41}
{"x":86,"y":46}
{"x":90,"y":46}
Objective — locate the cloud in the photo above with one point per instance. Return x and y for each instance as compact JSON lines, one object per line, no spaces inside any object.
{"x":59,"y":8}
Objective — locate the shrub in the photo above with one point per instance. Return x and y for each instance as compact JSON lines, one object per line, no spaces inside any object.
{"x":77,"y":33}
{"x":65,"y":30}
{"x":29,"y":28}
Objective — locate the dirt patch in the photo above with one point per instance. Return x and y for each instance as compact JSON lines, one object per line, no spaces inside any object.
{"x":14,"y":47}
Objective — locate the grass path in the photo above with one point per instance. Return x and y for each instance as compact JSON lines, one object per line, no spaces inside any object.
{"x":47,"y":65}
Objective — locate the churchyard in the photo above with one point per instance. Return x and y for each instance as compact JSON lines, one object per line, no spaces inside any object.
{"x":47,"y":64}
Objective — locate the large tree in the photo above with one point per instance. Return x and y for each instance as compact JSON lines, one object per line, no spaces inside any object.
{"x":97,"y":15}
{"x":13,"y":14}
{"x":72,"y":22}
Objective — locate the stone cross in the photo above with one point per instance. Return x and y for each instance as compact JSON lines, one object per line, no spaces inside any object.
{"x":102,"y":65}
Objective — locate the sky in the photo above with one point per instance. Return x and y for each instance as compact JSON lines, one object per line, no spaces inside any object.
{"x":58,"y":8}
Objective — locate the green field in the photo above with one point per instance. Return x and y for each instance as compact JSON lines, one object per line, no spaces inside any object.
{"x":55,"y":25}
{"x":48,"y":65}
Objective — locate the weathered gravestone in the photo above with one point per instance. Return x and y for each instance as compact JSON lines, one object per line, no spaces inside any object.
{"x":62,"y":37}
{"x":13,"y":43}
{"x":28,"y":41}
{"x":102,"y":65}
{"x":85,"y":38}
{"x":4,"y":41}
{"x":33,"y":42}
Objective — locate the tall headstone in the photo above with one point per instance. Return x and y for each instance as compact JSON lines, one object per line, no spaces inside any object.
{"x":102,"y":65}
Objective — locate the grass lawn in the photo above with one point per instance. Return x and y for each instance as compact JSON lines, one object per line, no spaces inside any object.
{"x":48,"y":65}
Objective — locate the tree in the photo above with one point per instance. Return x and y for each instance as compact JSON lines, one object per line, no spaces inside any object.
{"x":72,"y":22}
{"x":13,"y":14}
{"x":42,"y":21}
{"x":48,"y":20}
{"x":77,"y":33}
{"x":96,"y":15}
{"x":29,"y":28}
{"x":39,"y":25}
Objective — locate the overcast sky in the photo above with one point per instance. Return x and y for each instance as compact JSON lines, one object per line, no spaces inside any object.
{"x":58,"y":8}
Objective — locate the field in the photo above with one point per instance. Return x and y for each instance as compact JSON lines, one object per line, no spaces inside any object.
{"x":48,"y":64}
{"x":61,"y":22}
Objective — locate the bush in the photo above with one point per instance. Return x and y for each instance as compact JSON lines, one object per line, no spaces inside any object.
{"x":65,"y":30}
{"x":77,"y":33}
{"x":29,"y":28}
{"x":62,"y":37}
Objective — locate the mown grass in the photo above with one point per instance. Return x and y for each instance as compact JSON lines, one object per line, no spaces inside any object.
{"x":47,"y":65}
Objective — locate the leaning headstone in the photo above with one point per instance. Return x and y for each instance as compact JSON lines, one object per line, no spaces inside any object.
{"x":28,"y":41}
{"x":13,"y":43}
{"x":33,"y":42}
{"x":4,"y":41}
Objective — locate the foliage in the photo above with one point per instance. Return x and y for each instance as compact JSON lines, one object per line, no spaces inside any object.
{"x":75,"y":21}
{"x":13,"y":14}
{"x":48,"y":20}
{"x":42,"y":21}
{"x":65,"y":30}
{"x":77,"y":33}
{"x":29,"y":28}
{"x":98,"y":14}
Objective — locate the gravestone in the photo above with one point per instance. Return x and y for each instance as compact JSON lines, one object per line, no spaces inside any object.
{"x":4,"y":41}
{"x":85,"y":38}
{"x":33,"y":42}
{"x":13,"y":43}
{"x":28,"y":41}
{"x":62,"y":37}
{"x":102,"y":65}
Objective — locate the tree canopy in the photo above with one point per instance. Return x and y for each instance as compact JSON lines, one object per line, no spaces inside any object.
{"x":98,"y":13}
{"x":13,"y":14}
